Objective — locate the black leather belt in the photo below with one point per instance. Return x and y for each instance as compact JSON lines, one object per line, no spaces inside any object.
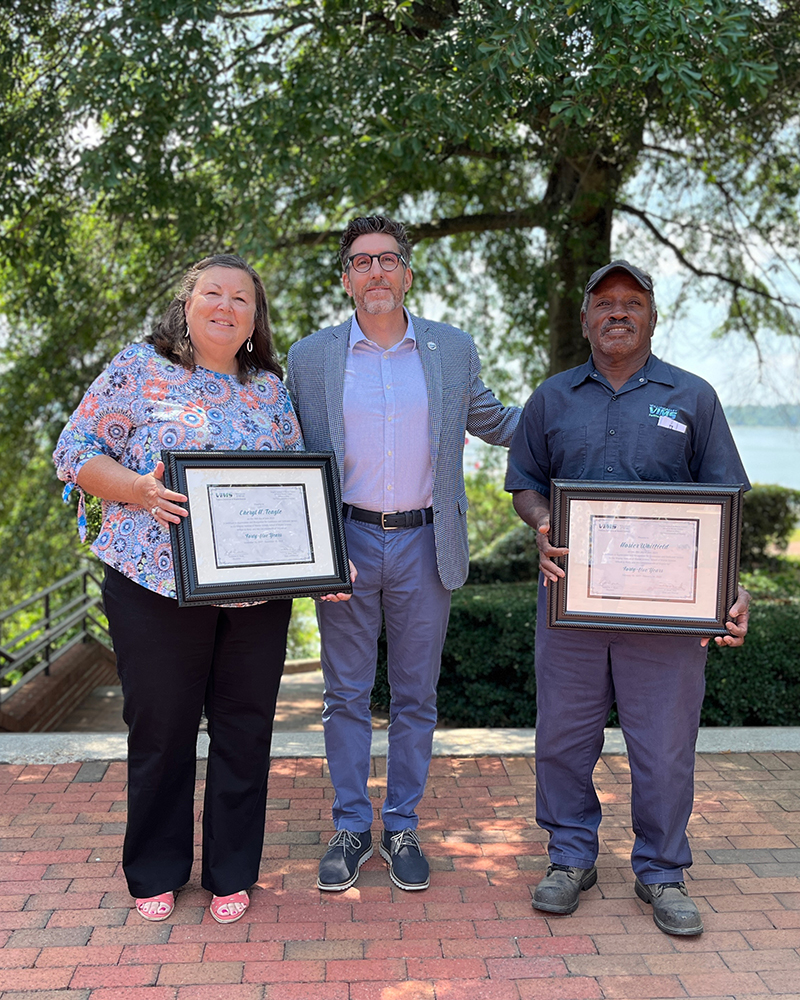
{"x":390,"y":520}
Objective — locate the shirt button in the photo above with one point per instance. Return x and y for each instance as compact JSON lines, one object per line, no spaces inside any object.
{"x":386,"y":356}
{"x":613,"y":397}
{"x":642,"y":379}
{"x":389,"y":453}
{"x":388,"y":385}
{"x":389,"y":419}
{"x":390,"y":487}
{"x":609,"y":468}
{"x":612,"y":432}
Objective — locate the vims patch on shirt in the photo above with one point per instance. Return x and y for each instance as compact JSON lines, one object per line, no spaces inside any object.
{"x":663,"y":411}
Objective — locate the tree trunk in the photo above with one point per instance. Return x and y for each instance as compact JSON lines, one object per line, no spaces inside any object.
{"x":579,"y":241}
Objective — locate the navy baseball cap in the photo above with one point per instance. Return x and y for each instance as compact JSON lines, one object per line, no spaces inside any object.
{"x":642,"y":277}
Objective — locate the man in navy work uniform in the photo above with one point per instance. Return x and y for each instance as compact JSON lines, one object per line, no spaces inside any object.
{"x":393,"y":396}
{"x":623,"y":415}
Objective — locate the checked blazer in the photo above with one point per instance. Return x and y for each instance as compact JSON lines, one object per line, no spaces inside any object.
{"x":458,"y":403}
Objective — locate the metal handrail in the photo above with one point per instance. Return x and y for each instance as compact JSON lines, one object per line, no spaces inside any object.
{"x":57,"y":630}
{"x":42,"y":622}
{"x":76,"y":575}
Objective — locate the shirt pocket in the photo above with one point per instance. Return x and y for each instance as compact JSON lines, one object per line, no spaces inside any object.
{"x":567,"y":450}
{"x":661,"y":454}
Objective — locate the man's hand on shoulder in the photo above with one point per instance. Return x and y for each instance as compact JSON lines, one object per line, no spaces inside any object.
{"x":535,"y":511}
{"x":739,"y":616}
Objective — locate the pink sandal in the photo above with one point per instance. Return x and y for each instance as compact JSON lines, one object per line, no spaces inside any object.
{"x":164,"y":905}
{"x":225,"y":909}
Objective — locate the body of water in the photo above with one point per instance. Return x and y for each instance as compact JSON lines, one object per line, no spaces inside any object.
{"x":770,"y":454}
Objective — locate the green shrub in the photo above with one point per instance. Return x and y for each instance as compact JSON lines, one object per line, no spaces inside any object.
{"x":769,"y":516}
{"x":302,"y":641}
{"x":513,"y":558}
{"x":488,"y":677}
{"x":491,"y":512}
{"x":757,"y":684}
{"x":781,"y":579}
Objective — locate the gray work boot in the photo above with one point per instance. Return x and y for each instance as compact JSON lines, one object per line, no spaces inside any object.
{"x":560,"y":889}
{"x":673,"y":911}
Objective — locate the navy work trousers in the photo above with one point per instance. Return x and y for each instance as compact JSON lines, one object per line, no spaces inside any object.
{"x":658,"y":682}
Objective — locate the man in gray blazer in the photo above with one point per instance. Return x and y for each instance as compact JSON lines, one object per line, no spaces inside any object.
{"x":393,"y":396}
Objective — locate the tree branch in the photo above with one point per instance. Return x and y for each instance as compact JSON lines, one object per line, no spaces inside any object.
{"x":531,"y":217}
{"x":494,"y":155}
{"x":280,"y":11}
{"x":266,"y":42}
{"x":748,"y":326}
{"x":701,"y":272}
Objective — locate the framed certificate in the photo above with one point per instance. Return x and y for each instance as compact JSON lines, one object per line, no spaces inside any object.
{"x":645,"y":557}
{"x":261,"y":525}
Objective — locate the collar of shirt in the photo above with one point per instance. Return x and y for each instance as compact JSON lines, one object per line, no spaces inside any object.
{"x":357,"y":335}
{"x":653,"y":370}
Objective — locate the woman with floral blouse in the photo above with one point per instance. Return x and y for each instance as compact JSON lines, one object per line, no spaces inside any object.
{"x":206,"y":378}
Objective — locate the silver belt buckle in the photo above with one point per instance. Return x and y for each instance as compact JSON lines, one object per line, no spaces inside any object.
{"x":384,"y":525}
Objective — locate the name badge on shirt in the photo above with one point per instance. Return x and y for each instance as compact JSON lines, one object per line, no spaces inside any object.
{"x":673,"y":425}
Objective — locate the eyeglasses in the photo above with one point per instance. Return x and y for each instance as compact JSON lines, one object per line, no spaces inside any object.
{"x":362,"y":262}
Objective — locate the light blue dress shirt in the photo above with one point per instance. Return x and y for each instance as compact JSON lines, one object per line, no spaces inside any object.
{"x":387,"y":460}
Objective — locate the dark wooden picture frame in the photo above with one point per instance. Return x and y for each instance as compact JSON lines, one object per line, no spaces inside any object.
{"x":307,"y":482}
{"x":645,"y":557}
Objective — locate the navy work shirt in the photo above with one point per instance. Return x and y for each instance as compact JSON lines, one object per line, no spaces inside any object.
{"x":664,"y":425}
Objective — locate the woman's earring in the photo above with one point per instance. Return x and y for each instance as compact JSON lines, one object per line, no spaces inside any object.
{"x":249,"y":344}
{"x":186,"y":332}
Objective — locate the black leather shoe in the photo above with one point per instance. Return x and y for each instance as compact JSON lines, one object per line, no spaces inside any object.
{"x":560,"y":889}
{"x":341,"y":863}
{"x":408,"y":866}
{"x":673,"y":911}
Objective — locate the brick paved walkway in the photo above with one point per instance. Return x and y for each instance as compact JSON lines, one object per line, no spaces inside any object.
{"x":67,"y":931}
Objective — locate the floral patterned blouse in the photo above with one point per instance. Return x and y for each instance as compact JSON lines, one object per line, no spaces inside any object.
{"x":142,"y":403}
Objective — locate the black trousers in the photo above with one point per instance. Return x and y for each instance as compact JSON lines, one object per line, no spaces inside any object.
{"x":171,"y":662}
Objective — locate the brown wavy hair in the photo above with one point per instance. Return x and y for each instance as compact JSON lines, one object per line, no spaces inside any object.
{"x":169,"y":336}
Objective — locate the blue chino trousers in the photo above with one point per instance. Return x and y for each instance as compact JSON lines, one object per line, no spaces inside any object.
{"x":658,"y":682}
{"x":397,"y":574}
